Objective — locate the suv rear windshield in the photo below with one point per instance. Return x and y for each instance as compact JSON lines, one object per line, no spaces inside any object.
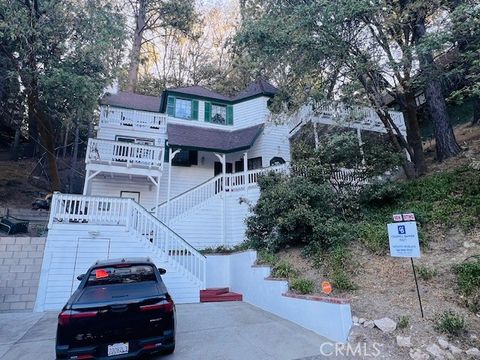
{"x":121,"y":274}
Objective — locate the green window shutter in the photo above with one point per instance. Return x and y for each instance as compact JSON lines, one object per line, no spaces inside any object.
{"x":194,"y":109}
{"x":229,"y":115}
{"x":208,"y":111}
{"x":171,"y":105}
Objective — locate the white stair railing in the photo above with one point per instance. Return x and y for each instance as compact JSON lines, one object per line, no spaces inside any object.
{"x":94,"y":210}
{"x":180,"y":204}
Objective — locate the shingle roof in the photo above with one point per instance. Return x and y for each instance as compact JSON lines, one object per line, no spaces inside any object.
{"x":200,"y":91}
{"x":223,"y":141}
{"x":259,"y":87}
{"x":132,"y":101}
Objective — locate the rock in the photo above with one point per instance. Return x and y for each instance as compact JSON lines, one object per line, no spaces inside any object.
{"x":474,"y":352}
{"x":454,"y":350}
{"x":355,"y":319}
{"x":443,"y":343}
{"x":369,"y":324}
{"x":417,"y":354}
{"x":386,"y":324}
{"x":404,"y":341}
{"x":361,"y":320}
{"x":436,"y":352}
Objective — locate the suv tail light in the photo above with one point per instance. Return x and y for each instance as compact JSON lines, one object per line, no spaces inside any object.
{"x":166,"y":305}
{"x":65,"y":316}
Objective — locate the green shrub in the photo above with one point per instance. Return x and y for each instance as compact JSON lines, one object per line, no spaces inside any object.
{"x":403,"y":322}
{"x":284,"y":270}
{"x":425,"y":273}
{"x":468,"y":280}
{"x":374,"y":237}
{"x":341,"y":281}
{"x":380,"y":194}
{"x":302,"y":286}
{"x":451,"y":323}
{"x":266,"y":257}
{"x":468,"y":276}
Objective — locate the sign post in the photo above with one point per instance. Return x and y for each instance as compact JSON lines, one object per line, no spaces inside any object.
{"x":403,"y":240}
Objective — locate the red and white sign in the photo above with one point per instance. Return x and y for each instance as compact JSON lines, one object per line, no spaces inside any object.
{"x":409,"y":217}
{"x":397,"y":217}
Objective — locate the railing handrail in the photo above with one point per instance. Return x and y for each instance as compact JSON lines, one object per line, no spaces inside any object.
{"x":165,"y":226}
{"x":212,"y":182}
{"x":100,"y":210}
{"x":186,"y":192}
{"x":126,"y":144}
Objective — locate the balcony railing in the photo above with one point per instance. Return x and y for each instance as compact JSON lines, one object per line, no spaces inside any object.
{"x":134,"y":119}
{"x":123,"y":154}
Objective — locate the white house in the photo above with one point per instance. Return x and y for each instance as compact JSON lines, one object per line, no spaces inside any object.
{"x":168,"y":176}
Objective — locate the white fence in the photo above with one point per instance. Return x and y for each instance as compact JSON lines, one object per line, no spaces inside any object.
{"x":135,"y":119}
{"x":94,"y":210}
{"x":123,"y":153}
{"x":181,"y":203}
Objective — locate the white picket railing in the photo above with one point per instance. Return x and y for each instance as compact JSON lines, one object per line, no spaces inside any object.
{"x":361,"y":117}
{"x":207,"y":190}
{"x":123,"y":153}
{"x":133,"y":119}
{"x":94,"y":210}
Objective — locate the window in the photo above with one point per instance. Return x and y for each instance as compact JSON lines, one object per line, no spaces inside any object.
{"x":255,"y":163}
{"x":183,"y":108}
{"x":219,"y":114}
{"x":134,"y":195}
{"x":121,"y":274}
{"x":185,"y":158}
{"x":277,"y":160}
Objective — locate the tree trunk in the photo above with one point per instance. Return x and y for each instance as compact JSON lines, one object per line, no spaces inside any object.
{"x":476,"y":110}
{"x":73,"y":163}
{"x":414,"y":137}
{"x":140,"y":19}
{"x":65,"y":142}
{"x":16,"y":145}
{"x":446,"y":144}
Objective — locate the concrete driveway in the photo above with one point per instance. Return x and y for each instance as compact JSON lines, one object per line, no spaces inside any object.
{"x":223,"y":331}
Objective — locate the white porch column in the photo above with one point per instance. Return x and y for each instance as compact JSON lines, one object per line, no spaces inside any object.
{"x":223,"y":161}
{"x":315,"y":134}
{"x":245,"y":171}
{"x":157,"y":184}
{"x":171,"y":155}
{"x":88,"y":177}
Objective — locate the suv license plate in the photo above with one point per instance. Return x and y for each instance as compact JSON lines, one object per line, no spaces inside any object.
{"x":117,"y":349}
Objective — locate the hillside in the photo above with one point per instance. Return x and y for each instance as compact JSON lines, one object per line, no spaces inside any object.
{"x":447,"y":204}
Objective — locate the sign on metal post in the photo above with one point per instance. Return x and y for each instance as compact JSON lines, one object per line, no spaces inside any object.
{"x":403,"y":239}
{"x":404,"y":242}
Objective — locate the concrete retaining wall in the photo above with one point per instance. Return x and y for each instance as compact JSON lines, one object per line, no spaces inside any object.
{"x":327,"y":316}
{"x":20,"y":266}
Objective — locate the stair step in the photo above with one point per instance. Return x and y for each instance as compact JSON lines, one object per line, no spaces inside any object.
{"x":214,"y":291}
{"x":229,"y":296}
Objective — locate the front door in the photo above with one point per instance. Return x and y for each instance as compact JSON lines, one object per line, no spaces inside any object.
{"x":218,"y":168}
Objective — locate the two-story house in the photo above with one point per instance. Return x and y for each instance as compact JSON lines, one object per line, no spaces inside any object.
{"x":168,"y":176}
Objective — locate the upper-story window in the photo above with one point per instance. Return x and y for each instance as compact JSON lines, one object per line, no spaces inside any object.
{"x":182,"y":108}
{"x":218,"y":113}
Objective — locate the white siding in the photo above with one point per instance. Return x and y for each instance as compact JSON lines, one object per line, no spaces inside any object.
{"x":250,"y":112}
{"x":272,"y":142}
{"x":71,"y":249}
